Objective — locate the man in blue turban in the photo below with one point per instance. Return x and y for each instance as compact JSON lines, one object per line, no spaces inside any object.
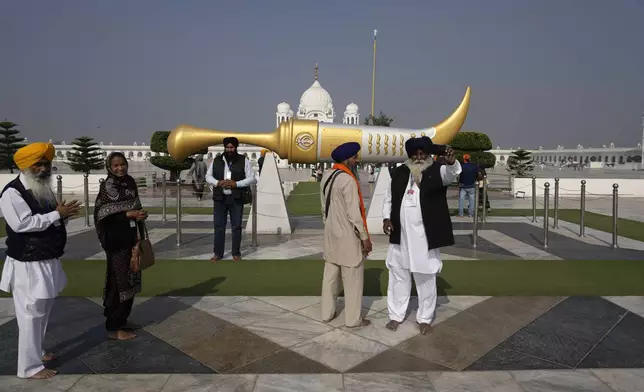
{"x":417,"y":220}
{"x":344,"y":214}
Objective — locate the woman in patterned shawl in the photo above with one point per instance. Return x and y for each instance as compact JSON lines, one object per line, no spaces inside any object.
{"x":116,"y":213}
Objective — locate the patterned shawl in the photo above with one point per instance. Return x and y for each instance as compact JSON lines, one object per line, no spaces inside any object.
{"x":116,"y":194}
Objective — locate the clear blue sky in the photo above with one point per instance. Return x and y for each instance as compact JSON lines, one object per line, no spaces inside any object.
{"x":542,"y":72}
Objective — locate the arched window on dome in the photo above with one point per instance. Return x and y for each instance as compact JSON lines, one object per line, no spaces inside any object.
{"x":253,"y":156}
{"x":139,"y":154}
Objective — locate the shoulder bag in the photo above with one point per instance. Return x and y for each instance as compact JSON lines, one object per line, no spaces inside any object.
{"x":142,"y":253}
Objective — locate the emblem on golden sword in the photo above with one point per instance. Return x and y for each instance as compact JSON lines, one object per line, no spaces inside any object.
{"x":309,"y":142}
{"x":304,"y":141}
{"x":378,"y":144}
{"x":386,"y":144}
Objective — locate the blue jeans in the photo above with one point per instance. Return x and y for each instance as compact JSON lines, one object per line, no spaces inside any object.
{"x":461,"y":199}
{"x":223,"y":208}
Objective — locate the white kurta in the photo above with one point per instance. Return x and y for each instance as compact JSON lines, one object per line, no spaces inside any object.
{"x":34,"y":284}
{"x":412,"y":255}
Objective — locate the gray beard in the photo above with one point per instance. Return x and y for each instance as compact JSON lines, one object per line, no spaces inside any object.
{"x":40,"y":188}
{"x":418,"y":167}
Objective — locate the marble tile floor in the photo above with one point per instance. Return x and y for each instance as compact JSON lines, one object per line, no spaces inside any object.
{"x":582,"y":380}
{"x":499,"y":238}
{"x":479,"y":343}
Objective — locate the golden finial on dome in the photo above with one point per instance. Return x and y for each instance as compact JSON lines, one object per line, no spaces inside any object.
{"x":316,"y":71}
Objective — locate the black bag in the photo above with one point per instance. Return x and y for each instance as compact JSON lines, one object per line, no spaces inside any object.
{"x":246,"y":195}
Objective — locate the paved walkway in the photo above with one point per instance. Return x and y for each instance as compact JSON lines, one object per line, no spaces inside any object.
{"x":280,"y":344}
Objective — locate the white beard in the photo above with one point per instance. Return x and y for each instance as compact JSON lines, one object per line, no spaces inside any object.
{"x":40,"y":188}
{"x":418,"y":167}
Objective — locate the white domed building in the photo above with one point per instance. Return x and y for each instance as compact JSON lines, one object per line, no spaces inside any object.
{"x":316,"y":104}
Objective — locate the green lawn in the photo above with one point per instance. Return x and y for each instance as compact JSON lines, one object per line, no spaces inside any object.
{"x":304,"y":199}
{"x":303,"y":277}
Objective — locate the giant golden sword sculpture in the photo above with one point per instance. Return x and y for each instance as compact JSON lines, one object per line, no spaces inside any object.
{"x":309,"y":141}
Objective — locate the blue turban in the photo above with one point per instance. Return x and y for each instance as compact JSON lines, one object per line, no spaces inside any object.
{"x":418,"y":143}
{"x":345,"y":151}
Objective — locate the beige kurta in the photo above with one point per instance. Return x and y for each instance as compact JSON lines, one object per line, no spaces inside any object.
{"x":343,"y":231}
{"x":343,"y":228}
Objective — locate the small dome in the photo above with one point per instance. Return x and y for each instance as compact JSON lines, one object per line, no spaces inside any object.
{"x":316,"y":98}
{"x":283,"y":107}
{"x":352,"y":108}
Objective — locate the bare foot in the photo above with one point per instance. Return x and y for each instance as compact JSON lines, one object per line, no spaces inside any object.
{"x":236,"y":258}
{"x":120,"y":335}
{"x":425,"y":329}
{"x":48,"y":357}
{"x":215,"y":259}
{"x":363,"y":323}
{"x":392,"y":325}
{"x":43,"y":374}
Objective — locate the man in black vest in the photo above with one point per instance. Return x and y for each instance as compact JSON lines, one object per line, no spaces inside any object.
{"x":417,"y":220}
{"x":36,"y":238}
{"x":230,"y":175}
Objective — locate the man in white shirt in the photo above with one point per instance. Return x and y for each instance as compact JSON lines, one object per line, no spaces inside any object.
{"x":36,"y":238}
{"x":417,"y":220}
{"x":231,"y":176}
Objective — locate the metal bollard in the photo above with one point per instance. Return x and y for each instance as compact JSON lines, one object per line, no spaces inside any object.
{"x":163,"y":198}
{"x":253,"y":189}
{"x":546,"y":202}
{"x":475,"y":228}
{"x":59,"y":188}
{"x":556,"y":213}
{"x":86,"y":197}
{"x":178,"y":213}
{"x":534,"y":199}
{"x":582,"y":210}
{"x":484,"y":202}
{"x":615,"y":199}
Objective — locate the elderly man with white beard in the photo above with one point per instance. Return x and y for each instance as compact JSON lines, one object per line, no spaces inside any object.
{"x":417,"y":220}
{"x":36,"y":238}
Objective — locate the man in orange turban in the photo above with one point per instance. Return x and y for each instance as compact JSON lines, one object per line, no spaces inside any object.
{"x":36,"y":238}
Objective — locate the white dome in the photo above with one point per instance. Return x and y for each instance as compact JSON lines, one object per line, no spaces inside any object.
{"x":283,"y":107}
{"x":352,"y":108}
{"x":316,"y":98}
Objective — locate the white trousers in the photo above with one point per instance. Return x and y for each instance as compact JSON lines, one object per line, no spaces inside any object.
{"x":32,"y":315}
{"x":399,"y":292}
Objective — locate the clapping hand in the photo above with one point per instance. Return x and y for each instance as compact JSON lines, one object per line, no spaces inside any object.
{"x":67,"y":210}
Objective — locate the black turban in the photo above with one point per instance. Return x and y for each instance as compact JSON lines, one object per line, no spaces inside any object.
{"x":231,"y":140}
{"x":345,"y":151}
{"x":418,"y":143}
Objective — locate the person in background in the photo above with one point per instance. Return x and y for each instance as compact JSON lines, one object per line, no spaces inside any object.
{"x":117,"y":211}
{"x":231,"y":175}
{"x":36,"y":239}
{"x":260,"y":161}
{"x":346,"y":238}
{"x":417,"y":221}
{"x":466,"y":186}
{"x":198,"y":174}
{"x":481,"y":176}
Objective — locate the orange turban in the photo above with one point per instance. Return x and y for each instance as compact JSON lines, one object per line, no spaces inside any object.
{"x":30,"y":154}
{"x":466,"y":157}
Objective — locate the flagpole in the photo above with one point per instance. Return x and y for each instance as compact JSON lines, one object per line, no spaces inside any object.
{"x":373,"y":79}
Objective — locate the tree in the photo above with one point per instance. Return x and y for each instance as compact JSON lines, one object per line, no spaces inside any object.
{"x":477,"y":145}
{"x":9,"y":144}
{"x":85,"y":156}
{"x":381,"y":120}
{"x":520,"y":163}
{"x":159,"y":143}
